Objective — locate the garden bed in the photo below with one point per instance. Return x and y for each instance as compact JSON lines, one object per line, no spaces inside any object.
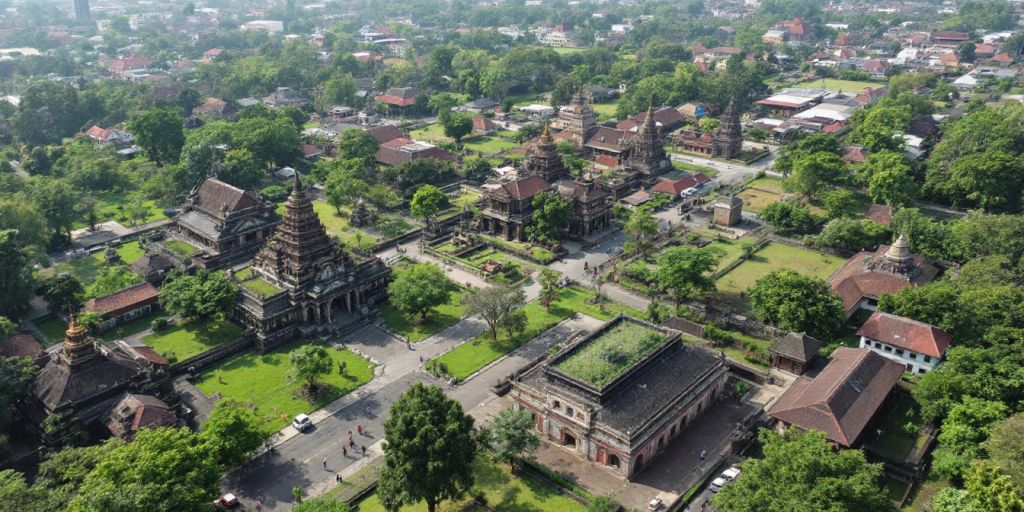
{"x":612,"y":352}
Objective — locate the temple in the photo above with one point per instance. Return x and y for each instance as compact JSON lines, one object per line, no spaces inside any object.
{"x":728,"y":139}
{"x":868,"y":275}
{"x":302,"y":283}
{"x":647,"y":155}
{"x":508,"y":207}
{"x":79,"y":383}
{"x":220,"y":225}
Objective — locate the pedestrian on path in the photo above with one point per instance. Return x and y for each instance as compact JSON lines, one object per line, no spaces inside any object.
{"x":364,"y":450}
{"x":325,"y":462}
{"x":703,"y":453}
{"x":359,"y":428}
{"x":344,"y":451}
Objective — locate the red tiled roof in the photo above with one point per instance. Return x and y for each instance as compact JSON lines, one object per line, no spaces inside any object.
{"x":610,"y":139}
{"x":385,"y":133}
{"x":525,"y":188}
{"x":1003,"y":57}
{"x":310,"y":150}
{"x":98,"y":133}
{"x":395,"y":100}
{"x":133,"y":412}
{"x":674,"y":187}
{"x":906,"y":333}
{"x":607,"y":160}
{"x":128,"y":64}
{"x":798,"y":27}
{"x":855,"y":280}
{"x":842,"y":399}
{"x":482,"y":124}
{"x":701,"y":178}
{"x":123,"y":301}
{"x":854,"y":155}
{"x":20,"y":344}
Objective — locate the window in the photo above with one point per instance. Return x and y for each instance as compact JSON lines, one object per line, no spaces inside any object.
{"x":912,"y":355}
{"x":887,"y":348}
{"x":568,"y":411}
{"x":878,"y":345}
{"x":899,"y":351}
{"x":556,"y":405}
{"x":920,"y":371}
{"x":927,"y":359}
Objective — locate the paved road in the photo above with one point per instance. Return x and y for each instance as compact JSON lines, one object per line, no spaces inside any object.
{"x":728,"y":172}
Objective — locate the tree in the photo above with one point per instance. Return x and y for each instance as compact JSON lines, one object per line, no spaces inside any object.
{"x":27,"y":220}
{"x":881,"y":161}
{"x":952,"y":499}
{"x":892,"y":187}
{"x":966,"y":51}
{"x":879,"y":128}
{"x":852,"y":234}
{"x":551,"y":216}
{"x":476,"y":169}
{"x":427,"y":201}
{"x":511,"y":435}
{"x":419,"y":288}
{"x":322,"y":504}
{"x":161,"y":469}
{"x":515,"y":322}
{"x":963,"y":430}
{"x":428,"y":451}
{"x":991,"y":490}
{"x":358,"y":144}
{"x":641,"y":228}
{"x":198,"y":296}
{"x":840,"y":202}
{"x":16,"y":375}
{"x":1005,"y":446}
{"x":458,"y":126}
{"x":550,"y":283}
{"x":801,"y":471}
{"x":160,"y":133}
{"x":812,"y":173}
{"x":686,"y":271}
{"x":494,"y":304}
{"x":795,"y":302}
{"x":56,"y":200}
{"x":233,"y":431}
{"x":805,"y":145}
{"x":240,"y":168}
{"x":343,"y":186}
{"x":113,"y":278}
{"x":62,"y":291}
{"x":309,"y":363}
{"x":788,"y":217}
{"x":15,"y":274}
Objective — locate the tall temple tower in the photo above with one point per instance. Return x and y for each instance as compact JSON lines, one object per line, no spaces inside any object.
{"x":647,"y":150}
{"x":728,"y":141}
{"x":579,"y":119}
{"x":316,"y":287}
{"x":542,"y":159}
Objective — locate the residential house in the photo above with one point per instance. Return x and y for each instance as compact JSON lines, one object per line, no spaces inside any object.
{"x":880,"y":213}
{"x":217,"y":108}
{"x":916,"y":345}
{"x":843,"y":400}
{"x":398,"y":151}
{"x":400,"y":98}
{"x":21,"y":344}
{"x":792,"y":100}
{"x":483,"y":126}
{"x":124,"y":306}
{"x":109,"y":137}
{"x":949,"y":38}
{"x":122,"y":66}
{"x":284,"y":97}
{"x":795,"y":352}
{"x":134,"y":412}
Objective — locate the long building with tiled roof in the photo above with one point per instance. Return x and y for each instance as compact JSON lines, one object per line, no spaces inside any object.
{"x":866,"y":276}
{"x":917,"y":345}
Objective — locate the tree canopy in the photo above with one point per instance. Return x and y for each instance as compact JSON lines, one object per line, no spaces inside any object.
{"x":794,"y":302}
{"x":201,"y":295}
{"x":419,"y":288}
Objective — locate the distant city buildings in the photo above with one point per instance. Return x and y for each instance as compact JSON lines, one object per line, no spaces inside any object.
{"x":82,"y":10}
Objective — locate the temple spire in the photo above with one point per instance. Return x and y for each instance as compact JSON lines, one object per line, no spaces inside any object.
{"x":545,"y":136}
{"x":297,"y":185}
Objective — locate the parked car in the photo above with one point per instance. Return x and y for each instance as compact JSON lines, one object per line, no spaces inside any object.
{"x":302,"y":422}
{"x":225,"y":502}
{"x":654,"y":504}
{"x":717,"y":484}
{"x":723,"y":479}
{"x":689,"y":192}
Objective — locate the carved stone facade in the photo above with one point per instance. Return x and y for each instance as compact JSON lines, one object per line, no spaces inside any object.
{"x":647,"y":149}
{"x":728,"y":140}
{"x":578,"y":119}
{"x":321,"y":287}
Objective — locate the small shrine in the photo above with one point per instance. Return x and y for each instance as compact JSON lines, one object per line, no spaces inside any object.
{"x":361,"y":215}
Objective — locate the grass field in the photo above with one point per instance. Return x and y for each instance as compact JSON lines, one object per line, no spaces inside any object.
{"x":686,"y":166}
{"x":430,"y":133}
{"x":263,"y":379}
{"x":488,"y":145}
{"x":52,"y":328}
{"x":180,"y":248}
{"x":438,"y":320}
{"x":504,"y":491}
{"x":771,"y":257}
{"x":184,"y":340}
{"x":831,"y":84}
{"x":605,"y":110}
{"x":469,"y":357}
{"x":728,"y":250}
{"x":611,"y":353}
{"x":108,"y":206}
{"x":133,"y":327}
{"x":760,"y":193}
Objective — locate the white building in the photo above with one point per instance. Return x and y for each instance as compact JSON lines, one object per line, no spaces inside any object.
{"x":917,"y":345}
{"x":273,"y":27}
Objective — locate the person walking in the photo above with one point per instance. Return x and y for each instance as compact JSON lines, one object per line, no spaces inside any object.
{"x":325,"y":462}
{"x":364,"y":450}
{"x":359,"y":428}
{"x":344,"y":451}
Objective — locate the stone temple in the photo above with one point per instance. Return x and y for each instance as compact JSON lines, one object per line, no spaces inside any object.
{"x":302,"y":283}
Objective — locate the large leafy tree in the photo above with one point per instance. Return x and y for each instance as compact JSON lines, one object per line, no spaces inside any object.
{"x":989,"y":373}
{"x":551,"y":216}
{"x":308,"y":364}
{"x":358,"y":144}
{"x":686,"y":271}
{"x":429,"y":449}
{"x":893,"y":187}
{"x":15,"y":274}
{"x":1005,"y":446}
{"x":62,"y":291}
{"x":16,"y":375}
{"x":56,"y":200}
{"x":343,"y":185}
{"x":550,"y":283}
{"x":511,"y":435}
{"x":63,"y":472}
{"x":794,"y":302}
{"x":789,"y":217}
{"x":852,"y":234}
{"x":419,"y":288}
{"x":801,"y":471}
{"x":161,"y":469}
{"x":814,"y":172}
{"x":160,"y":133}
{"x":457,"y":126}
{"x":113,"y":278}
{"x":963,"y":430}
{"x":494,"y":305}
{"x":198,"y":296}
{"x":27,"y":220}
{"x":808,"y":144}
{"x":240,"y":168}
{"x":641,"y":228}
{"x":427,"y":201}
{"x":233,"y":431}
{"x":878,"y":128}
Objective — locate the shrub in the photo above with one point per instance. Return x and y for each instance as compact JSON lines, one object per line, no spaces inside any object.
{"x":159,"y":324}
{"x":274,"y":193}
{"x":638,"y":271}
{"x":715,"y":333}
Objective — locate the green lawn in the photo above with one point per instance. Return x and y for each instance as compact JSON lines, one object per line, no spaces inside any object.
{"x":834,"y":85}
{"x":432,"y":133}
{"x":124,"y":330}
{"x":605,"y":110}
{"x":728,"y":250}
{"x":482,"y":350}
{"x":180,"y":248}
{"x":771,"y":257}
{"x":84,"y":269}
{"x":439,"y":319}
{"x":260,"y":287}
{"x":107,"y":204}
{"x":688,"y":167}
{"x":52,"y":328}
{"x":895,"y":442}
{"x":760,"y":193}
{"x":128,"y":252}
{"x":184,"y":340}
{"x":612,"y":352}
{"x":504,"y":492}
{"x":263,"y":380}
{"x":488,"y":145}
